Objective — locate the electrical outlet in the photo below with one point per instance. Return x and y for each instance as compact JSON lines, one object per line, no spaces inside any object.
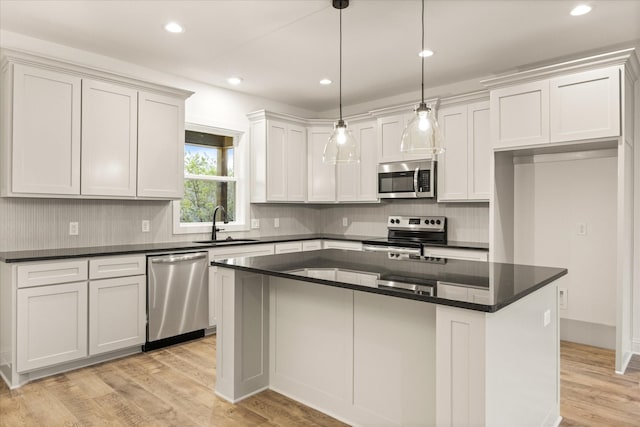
{"x":73,"y":229}
{"x":145,"y":226}
{"x":563,"y":298}
{"x":547,"y":317}
{"x":255,"y":223}
{"x":345,"y":221}
{"x":276,"y":222}
{"x":582,"y":229}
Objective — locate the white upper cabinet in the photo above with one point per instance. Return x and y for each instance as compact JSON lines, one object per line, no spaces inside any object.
{"x":390,"y":129}
{"x":278,"y":160}
{"x":109,"y":139}
{"x":566,"y":108}
{"x":478,"y":150}
{"x":358,"y":182}
{"x":45,"y":144}
{"x":160,"y":146}
{"x":520,"y":115}
{"x":463,"y":169}
{"x":74,"y":132}
{"x":585,"y":105}
{"x":322,"y":176}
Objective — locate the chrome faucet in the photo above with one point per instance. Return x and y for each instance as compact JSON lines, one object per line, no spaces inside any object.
{"x":214,"y":229}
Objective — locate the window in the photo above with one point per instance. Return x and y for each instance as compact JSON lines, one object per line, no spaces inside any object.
{"x":213,"y":176}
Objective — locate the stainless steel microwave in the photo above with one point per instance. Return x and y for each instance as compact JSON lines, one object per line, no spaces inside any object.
{"x":407,"y":180}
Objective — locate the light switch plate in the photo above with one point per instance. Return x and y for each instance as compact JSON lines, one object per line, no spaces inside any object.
{"x":255,"y":223}
{"x":146,"y":226}
{"x":582,"y":229}
{"x":276,"y":222}
{"x":547,"y":317}
{"x":563,"y":298}
{"x":345,"y":221}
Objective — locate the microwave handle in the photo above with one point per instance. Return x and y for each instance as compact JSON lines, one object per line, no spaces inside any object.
{"x":415,"y":180}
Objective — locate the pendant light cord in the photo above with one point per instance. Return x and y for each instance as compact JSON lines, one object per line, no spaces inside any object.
{"x":340,"y":77}
{"x":422,"y":53}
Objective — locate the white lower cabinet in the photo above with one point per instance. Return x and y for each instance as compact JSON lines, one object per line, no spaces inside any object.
{"x":456,"y":253}
{"x":117,"y":313}
{"x":51,"y":325}
{"x":342,"y":244}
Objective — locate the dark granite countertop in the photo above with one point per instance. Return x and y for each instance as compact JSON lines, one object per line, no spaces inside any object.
{"x":497,"y":284}
{"x":51,"y":254}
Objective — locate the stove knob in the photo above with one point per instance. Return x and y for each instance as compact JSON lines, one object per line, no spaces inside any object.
{"x":426,"y":221}
{"x":432,"y":222}
{"x":438,"y":221}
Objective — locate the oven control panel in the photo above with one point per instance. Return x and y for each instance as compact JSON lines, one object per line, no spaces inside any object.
{"x":430,"y":223}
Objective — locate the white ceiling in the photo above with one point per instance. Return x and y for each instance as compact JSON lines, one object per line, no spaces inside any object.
{"x":282,"y":48}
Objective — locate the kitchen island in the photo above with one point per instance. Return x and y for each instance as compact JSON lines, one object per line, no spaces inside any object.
{"x":376,"y":339}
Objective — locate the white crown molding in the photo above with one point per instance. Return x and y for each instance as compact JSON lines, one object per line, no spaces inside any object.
{"x":481,"y":95}
{"x":620,"y":57}
{"x":10,"y":56}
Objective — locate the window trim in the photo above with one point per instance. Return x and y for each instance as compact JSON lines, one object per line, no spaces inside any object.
{"x":241,"y":163}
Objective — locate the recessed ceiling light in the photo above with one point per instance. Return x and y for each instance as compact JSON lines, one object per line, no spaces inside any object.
{"x":426,"y":53}
{"x":234,"y":80}
{"x":579,"y":10}
{"x":174,"y":27}
{"x":325,"y":82}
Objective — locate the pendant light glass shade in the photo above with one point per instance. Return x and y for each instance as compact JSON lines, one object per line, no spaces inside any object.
{"x":422,"y":134}
{"x":342,"y":146}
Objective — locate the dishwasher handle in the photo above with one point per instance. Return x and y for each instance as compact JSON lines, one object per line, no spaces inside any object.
{"x":169,"y":259}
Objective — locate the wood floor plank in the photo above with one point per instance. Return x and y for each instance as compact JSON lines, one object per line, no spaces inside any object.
{"x":175,"y":387}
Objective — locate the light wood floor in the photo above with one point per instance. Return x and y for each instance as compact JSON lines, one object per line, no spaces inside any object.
{"x":173,"y":387}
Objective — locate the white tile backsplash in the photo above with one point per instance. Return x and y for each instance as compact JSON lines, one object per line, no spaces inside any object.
{"x":44,"y":223}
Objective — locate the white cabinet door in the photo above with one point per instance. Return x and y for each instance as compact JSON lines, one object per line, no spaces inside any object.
{"x":452,"y":164}
{"x":321,"y":176}
{"x":160,"y":146}
{"x":109,"y":139}
{"x":358,"y":182}
{"x":390,"y":132}
{"x":295,"y":163}
{"x":478,"y":151}
{"x":585,"y":105}
{"x":520,"y":115}
{"x":46,"y":132}
{"x":288,"y":247}
{"x":117,"y":313}
{"x":51,"y":325}
{"x":276,"y":161}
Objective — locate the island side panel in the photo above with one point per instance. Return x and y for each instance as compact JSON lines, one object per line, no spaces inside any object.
{"x":311,"y":344}
{"x":242,"y":333}
{"x":523,"y":361}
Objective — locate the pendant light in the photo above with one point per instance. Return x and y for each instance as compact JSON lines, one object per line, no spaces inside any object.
{"x":341,"y":146}
{"x":422,"y":134}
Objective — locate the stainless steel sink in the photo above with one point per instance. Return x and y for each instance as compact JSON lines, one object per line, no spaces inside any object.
{"x":223,"y":241}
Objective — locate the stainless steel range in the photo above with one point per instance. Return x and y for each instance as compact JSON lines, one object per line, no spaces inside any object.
{"x":407,"y":234}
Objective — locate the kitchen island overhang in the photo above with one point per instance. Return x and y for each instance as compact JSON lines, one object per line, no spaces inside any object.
{"x":454,"y":343}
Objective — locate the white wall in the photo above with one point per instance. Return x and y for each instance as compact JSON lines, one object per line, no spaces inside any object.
{"x":551,"y":199}
{"x":636,"y":288}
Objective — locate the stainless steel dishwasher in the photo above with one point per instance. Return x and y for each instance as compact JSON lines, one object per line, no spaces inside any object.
{"x":177,"y":298}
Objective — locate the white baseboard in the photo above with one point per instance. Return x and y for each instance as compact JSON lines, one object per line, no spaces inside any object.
{"x":635,"y":346}
{"x":594,"y":334}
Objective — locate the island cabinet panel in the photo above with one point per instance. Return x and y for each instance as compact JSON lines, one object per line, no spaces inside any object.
{"x":520,"y":115}
{"x":160,"y":146}
{"x":51,"y":325}
{"x":393,"y":382}
{"x":313,"y":366}
{"x":46,"y":132}
{"x":585,"y":105}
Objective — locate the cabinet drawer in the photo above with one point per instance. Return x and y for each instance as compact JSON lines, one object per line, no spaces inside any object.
{"x":342,"y":244}
{"x":311,"y":245}
{"x":104,"y":268}
{"x":51,"y":273}
{"x":240,"y":251}
{"x":454,"y":253}
{"x":288,"y":247}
